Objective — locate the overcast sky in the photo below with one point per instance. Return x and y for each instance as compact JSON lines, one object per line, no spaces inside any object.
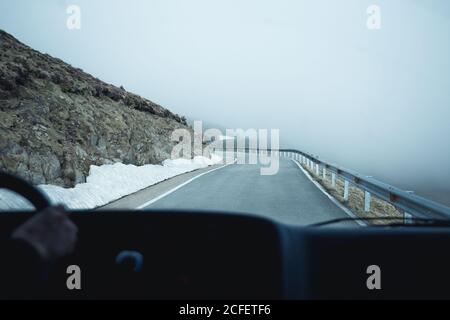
{"x":377,"y":101}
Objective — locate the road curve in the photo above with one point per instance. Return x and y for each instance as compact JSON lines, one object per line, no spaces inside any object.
{"x":288,"y":197}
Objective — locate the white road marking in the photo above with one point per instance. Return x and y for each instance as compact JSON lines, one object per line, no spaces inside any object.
{"x":180,"y":186}
{"x":333,"y":199}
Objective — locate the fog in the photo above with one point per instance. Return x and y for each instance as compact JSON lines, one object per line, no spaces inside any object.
{"x":377,"y":101}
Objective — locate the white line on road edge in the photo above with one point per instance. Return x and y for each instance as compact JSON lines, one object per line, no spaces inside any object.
{"x":333,"y":199}
{"x":180,"y":186}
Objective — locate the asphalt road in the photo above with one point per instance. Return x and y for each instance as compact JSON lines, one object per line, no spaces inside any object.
{"x":289,"y":196}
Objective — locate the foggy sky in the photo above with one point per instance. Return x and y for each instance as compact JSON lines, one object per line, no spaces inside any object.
{"x":377,"y":101}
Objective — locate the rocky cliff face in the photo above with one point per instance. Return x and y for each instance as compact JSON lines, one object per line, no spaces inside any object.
{"x":56,"y":120}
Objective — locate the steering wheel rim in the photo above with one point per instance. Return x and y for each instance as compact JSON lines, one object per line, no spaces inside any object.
{"x":25,"y":189}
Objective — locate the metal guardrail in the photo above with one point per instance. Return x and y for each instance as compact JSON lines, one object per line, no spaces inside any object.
{"x":405,"y":201}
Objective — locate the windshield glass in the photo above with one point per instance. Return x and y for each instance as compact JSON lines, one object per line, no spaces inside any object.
{"x":298,"y":111}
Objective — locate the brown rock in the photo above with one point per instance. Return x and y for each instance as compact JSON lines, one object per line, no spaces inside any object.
{"x":57,"y":121}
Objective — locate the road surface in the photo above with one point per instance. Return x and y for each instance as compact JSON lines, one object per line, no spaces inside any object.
{"x":288,"y":197}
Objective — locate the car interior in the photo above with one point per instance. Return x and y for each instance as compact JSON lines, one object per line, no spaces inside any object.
{"x":221,"y":255}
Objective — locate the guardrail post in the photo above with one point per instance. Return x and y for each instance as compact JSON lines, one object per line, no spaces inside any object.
{"x":367,"y":200}
{"x":346,"y":187}
{"x":317,"y":169}
{"x":407,"y":218}
{"x":324,"y":173}
{"x":333,"y":180}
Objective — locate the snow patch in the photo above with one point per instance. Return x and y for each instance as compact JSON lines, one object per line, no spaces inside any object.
{"x":110,"y":182}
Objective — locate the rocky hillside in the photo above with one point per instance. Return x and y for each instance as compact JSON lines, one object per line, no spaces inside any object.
{"x":57,"y":120}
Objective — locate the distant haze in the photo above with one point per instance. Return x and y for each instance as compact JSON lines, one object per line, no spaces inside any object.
{"x":377,"y":101}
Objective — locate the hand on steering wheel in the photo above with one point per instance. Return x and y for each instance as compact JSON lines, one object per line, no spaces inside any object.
{"x":50,"y":233}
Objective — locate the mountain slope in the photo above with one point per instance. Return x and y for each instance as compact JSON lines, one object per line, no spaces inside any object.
{"x":57,"y":120}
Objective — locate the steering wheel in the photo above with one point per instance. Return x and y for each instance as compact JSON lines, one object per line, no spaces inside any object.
{"x":26,"y":190}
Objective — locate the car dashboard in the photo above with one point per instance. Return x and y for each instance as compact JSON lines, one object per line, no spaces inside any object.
{"x":212,"y":255}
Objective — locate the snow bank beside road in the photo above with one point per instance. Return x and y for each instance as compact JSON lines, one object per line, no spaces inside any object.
{"x":107,"y":183}
{"x":197,"y":161}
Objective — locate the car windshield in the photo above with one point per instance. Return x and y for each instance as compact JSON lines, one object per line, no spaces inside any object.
{"x":302,"y":112}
